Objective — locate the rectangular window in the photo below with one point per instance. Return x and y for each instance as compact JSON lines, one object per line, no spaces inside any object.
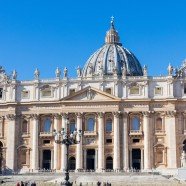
{"x":47,"y":93}
{"x":46,"y":141}
{"x":72,"y":91}
{"x":136,"y":140}
{"x":158,"y":90}
{"x":134,"y":90}
{"x":108,"y":140}
{"x":25,"y":94}
{"x":1,"y":93}
{"x":108,"y":90}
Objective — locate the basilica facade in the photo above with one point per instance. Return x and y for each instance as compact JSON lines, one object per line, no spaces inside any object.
{"x":128,"y":118}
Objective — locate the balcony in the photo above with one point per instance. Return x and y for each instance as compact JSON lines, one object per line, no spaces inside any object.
{"x":136,"y":133}
{"x":46,"y":134}
{"x":159,"y":132}
{"x":25,"y":134}
{"x":90,"y":133}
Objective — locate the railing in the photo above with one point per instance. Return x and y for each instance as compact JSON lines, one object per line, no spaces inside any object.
{"x":136,"y":132}
{"x":159,"y":132}
{"x":25,"y":134}
{"x":46,"y":134}
{"x":90,"y":133}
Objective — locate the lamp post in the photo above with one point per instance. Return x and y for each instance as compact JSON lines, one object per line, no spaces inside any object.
{"x":63,"y":137}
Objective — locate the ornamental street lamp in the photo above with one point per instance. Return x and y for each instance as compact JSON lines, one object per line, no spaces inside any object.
{"x":63,"y":137}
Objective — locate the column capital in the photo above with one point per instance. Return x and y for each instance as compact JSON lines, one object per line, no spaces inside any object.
{"x":146,"y":113}
{"x":64,"y":114}
{"x":170,"y":113}
{"x":11,"y":117}
{"x":34,"y":116}
{"x":79,"y":114}
{"x":2,"y":118}
{"x":125,"y":114}
{"x":56,"y":116}
{"x":100,"y":114}
{"x":116,"y":114}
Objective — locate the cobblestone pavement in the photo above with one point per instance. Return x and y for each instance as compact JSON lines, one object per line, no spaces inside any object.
{"x":90,"y":179}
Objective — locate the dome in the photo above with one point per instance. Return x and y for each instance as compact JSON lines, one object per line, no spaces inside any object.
{"x":112,"y":58}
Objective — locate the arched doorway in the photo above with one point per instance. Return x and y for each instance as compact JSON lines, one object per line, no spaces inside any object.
{"x":109,"y":163}
{"x":91,"y":159}
{"x":1,"y":156}
{"x":47,"y":159}
{"x":72,"y":163}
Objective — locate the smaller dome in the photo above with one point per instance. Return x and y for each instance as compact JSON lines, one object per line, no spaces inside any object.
{"x":112,"y":58}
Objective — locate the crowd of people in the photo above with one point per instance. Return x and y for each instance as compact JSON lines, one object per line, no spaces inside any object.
{"x":26,"y":183}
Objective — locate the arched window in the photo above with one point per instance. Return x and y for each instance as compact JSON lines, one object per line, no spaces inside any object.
{"x":47,"y":125}
{"x":25,"y":126}
{"x":72,"y":163}
{"x":109,"y":163}
{"x":158,"y":124}
{"x":135,"y":123}
{"x":72,"y":126}
{"x":109,"y":125}
{"x":90,"y":124}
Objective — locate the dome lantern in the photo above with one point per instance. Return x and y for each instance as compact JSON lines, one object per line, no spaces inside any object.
{"x":112,"y":35}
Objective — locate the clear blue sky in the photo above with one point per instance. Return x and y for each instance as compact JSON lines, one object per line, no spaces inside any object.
{"x":54,"y":33}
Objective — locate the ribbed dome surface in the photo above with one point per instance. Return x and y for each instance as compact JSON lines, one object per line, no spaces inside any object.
{"x":112,"y":58}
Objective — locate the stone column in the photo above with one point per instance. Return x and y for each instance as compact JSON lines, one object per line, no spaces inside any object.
{"x":79,"y":149}
{"x":147,"y":139}
{"x":10,"y":152}
{"x":63,"y":147}
{"x":125,"y":142}
{"x":35,"y":134}
{"x":116,"y":164}
{"x":142,"y":159}
{"x":85,"y":158}
{"x":170,"y":125}
{"x":101,"y":163}
{"x":56,"y":146}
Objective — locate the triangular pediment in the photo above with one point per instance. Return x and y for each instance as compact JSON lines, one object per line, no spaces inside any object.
{"x":90,"y":94}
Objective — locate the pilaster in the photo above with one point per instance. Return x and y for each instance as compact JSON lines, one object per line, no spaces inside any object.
{"x":101,"y":163}
{"x":147,"y":140}
{"x":10,"y":153}
{"x":79,"y":149}
{"x":170,"y":125}
{"x":35,"y":153}
{"x":56,"y":146}
{"x":125,"y":142}
{"x":116,"y":163}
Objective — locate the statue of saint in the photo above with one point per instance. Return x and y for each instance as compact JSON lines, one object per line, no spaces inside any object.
{"x":14,"y":75}
{"x":170,"y":70}
{"x":145,"y":70}
{"x":65,"y":72}
{"x":183,"y":159}
{"x":78,"y":71}
{"x":58,"y":72}
{"x":36,"y":74}
{"x":90,"y":69}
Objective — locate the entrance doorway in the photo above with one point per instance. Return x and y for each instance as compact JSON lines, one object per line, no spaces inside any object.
{"x":109,"y":163}
{"x":72,"y":163}
{"x":136,"y":159}
{"x":91,"y":159}
{"x":47,"y":159}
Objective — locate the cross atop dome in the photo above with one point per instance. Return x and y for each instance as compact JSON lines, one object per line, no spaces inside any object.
{"x":112,"y":22}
